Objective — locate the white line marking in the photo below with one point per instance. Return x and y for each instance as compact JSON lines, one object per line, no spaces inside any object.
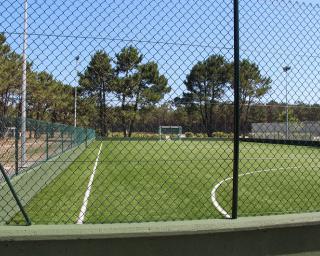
{"x":215,"y":188}
{"x":87,"y":194}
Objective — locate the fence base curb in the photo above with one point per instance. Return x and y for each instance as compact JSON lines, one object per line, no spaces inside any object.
{"x":272,"y":235}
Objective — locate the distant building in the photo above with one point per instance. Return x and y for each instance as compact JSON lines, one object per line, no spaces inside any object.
{"x":299,"y":131}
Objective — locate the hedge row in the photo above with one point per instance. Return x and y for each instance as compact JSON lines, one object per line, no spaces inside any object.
{"x":142,"y":135}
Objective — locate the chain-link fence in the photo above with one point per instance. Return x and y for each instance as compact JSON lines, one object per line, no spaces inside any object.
{"x":44,"y":141}
{"x":202,"y":109}
{"x":28,"y":168}
{"x":279,"y":162}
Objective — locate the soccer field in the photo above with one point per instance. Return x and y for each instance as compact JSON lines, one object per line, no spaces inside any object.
{"x":136,"y":181}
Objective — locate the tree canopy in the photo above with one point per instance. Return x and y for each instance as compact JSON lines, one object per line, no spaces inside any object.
{"x":206,"y":85}
{"x":96,"y":82}
{"x":127,"y":92}
{"x":209,"y":81}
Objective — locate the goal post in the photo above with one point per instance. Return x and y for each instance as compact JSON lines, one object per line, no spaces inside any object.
{"x":170,"y":132}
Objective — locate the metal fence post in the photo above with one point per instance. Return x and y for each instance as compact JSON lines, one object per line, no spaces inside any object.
{"x":15,"y":196}
{"x":71,"y":134}
{"x":86,"y":131}
{"x":62,"y":140}
{"x":236,"y":110}
{"x":47,"y":142}
{"x":16,"y":146}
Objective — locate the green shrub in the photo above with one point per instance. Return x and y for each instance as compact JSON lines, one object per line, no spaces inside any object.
{"x":201,"y":135}
{"x":116,"y":134}
{"x":222,"y":135}
{"x":189,"y":134}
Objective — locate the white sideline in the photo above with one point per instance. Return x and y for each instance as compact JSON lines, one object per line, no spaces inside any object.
{"x":87,"y":194}
{"x":215,"y":188}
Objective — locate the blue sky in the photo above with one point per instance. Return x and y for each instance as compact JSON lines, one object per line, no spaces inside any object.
{"x":174,"y":33}
{"x":309,"y":1}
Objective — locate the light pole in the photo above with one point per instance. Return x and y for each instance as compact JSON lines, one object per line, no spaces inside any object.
{"x":75,"y":93}
{"x":24,"y":86}
{"x":286,"y":69}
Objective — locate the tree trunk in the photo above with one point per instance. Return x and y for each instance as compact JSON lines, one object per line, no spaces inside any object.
{"x":123,"y":118}
{"x":245,"y":118}
{"x":202,"y":112}
{"x":101,"y":113}
{"x":211,"y":114}
{"x":133,"y":119}
{"x":104,"y":126}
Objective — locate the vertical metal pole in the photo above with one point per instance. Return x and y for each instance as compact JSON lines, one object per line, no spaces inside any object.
{"x":75,"y":106}
{"x":86,"y":131}
{"x":62,"y":140}
{"x":287,"y":114}
{"x":16,"y":146}
{"x":24,"y":87}
{"x":236,"y":110}
{"x":71,"y":135}
{"x":75,"y":93}
{"x":47,"y":142}
{"x":286,"y":69}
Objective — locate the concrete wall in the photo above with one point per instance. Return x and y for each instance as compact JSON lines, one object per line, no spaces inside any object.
{"x":272,"y":235}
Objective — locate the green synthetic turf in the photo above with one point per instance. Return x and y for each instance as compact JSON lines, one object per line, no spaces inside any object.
{"x":60,"y":201}
{"x":139,"y":181}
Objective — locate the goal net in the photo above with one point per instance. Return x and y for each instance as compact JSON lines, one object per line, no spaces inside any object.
{"x":170,"y":132}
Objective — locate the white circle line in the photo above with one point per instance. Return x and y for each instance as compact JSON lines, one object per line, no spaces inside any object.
{"x":216,"y":187}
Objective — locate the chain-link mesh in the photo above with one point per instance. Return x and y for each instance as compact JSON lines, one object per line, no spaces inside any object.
{"x":155,"y":81}
{"x":280,"y":122}
{"x":49,"y":149}
{"x":44,"y":141}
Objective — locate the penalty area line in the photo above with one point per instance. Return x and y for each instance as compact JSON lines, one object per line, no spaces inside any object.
{"x":215,"y":188}
{"x":87,"y":194}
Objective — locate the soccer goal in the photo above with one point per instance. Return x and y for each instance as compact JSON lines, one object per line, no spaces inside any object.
{"x":170,"y":132}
